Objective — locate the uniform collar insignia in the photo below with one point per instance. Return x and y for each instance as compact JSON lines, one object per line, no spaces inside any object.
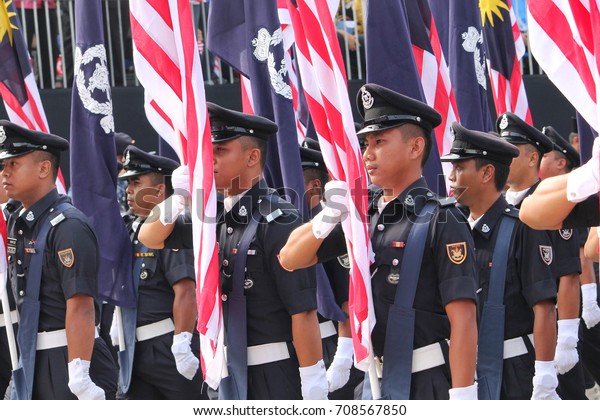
{"x":485,"y":228}
{"x":243,"y":212}
{"x":409,"y":200}
{"x":30,"y":216}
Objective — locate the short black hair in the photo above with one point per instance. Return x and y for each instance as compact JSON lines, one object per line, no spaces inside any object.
{"x":54,"y":161}
{"x":261,"y":145}
{"x":501,"y":171}
{"x":158,"y":178}
{"x":411,"y":131}
{"x":311,"y":173}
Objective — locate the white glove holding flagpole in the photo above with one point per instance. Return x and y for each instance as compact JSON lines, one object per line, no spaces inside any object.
{"x":585,"y":180}
{"x":335,"y":208}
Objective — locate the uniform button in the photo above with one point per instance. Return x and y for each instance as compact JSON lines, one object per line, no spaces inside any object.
{"x":20,"y":232}
{"x":19,"y":262}
{"x":380,"y":227}
{"x":507,"y":210}
{"x":224,"y":297}
{"x":230,"y":230}
{"x":225,"y":263}
{"x":143,"y":264}
{"x":395,"y":261}
{"x":21,"y":293}
{"x":136,"y":242}
{"x":429,"y":194}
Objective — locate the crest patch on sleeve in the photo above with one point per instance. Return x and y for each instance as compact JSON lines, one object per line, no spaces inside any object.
{"x":546,"y":254}
{"x":457,"y":252}
{"x":66,"y":257}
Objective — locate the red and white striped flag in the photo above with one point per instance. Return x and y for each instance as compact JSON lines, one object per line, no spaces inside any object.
{"x":17,"y":80}
{"x":505,"y":47}
{"x":324,"y":82}
{"x":168,"y":66}
{"x":564,"y":36}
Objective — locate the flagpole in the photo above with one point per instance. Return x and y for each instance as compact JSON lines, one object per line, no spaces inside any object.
{"x":120,"y":328}
{"x":374,"y":380}
{"x":10,"y":333}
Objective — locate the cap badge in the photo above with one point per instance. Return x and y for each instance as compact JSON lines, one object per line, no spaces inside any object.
{"x":243,"y":212}
{"x":503,"y":122}
{"x":126,"y":159}
{"x":2,"y":134}
{"x":367,"y":98}
{"x":452,"y":133}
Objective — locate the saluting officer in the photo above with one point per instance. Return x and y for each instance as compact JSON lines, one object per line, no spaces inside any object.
{"x":523,"y":179}
{"x":517,"y":287}
{"x":162,"y":348}
{"x":273,"y":346}
{"x":342,"y":376}
{"x":423,"y":278}
{"x":53,"y":261}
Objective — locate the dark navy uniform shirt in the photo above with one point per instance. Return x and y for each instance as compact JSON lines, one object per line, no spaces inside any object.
{"x":447,"y":270}
{"x":161,"y":269}
{"x":70,"y":262}
{"x":529,"y":276}
{"x":585,"y":214}
{"x":272,"y":293}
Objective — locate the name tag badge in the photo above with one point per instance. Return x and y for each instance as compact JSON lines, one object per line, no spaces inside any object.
{"x":30,"y":250}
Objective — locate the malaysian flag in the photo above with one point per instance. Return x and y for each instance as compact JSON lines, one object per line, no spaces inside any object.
{"x":504,"y":47}
{"x":435,"y":76}
{"x":250,"y":39}
{"x":564,"y":36}
{"x":394,"y":66}
{"x":93,"y":161}
{"x":459,"y":29}
{"x":17,"y":81}
{"x":168,"y":65}
{"x":325,"y":85}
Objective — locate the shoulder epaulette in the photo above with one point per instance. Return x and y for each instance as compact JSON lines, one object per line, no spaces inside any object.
{"x":512,"y":212}
{"x":446,"y":201}
{"x":272,"y":207}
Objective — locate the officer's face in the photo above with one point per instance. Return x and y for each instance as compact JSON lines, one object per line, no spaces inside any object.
{"x":387,"y":154}
{"x":143,"y":193}
{"x":553,"y":163}
{"x":464,"y":181}
{"x":230,"y":163}
{"x":21,"y":177}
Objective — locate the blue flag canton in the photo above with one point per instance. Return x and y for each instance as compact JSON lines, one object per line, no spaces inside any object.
{"x":14,"y":65}
{"x":499,"y":40}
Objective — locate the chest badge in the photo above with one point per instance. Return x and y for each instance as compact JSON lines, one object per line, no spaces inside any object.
{"x":248,"y":283}
{"x":393,"y":278}
{"x":566,"y":233}
{"x":546,"y":254}
{"x":143,"y":275}
{"x":457,"y":252}
{"x":66,"y":257}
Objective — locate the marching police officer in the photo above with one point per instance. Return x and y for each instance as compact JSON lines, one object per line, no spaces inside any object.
{"x":52,"y":254}
{"x":518,"y":288}
{"x":523,"y":179}
{"x":342,"y":376}
{"x":273,"y":346}
{"x":416,"y":311}
{"x":162,"y":342}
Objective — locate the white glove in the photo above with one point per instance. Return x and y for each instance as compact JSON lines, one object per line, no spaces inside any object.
{"x":465,"y":393}
{"x":590,"y":312}
{"x":585,"y":181}
{"x":566,"y":356}
{"x":336,"y":206}
{"x":180,"y":179}
{"x":80,"y":382}
{"x":339,"y":370}
{"x":114,"y":331}
{"x":545,"y":381}
{"x":314,"y":381}
{"x":170,"y":209}
{"x":187,"y":363}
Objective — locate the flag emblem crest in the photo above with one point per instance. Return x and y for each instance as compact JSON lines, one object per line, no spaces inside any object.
{"x":471,"y":44}
{"x":262,"y":43}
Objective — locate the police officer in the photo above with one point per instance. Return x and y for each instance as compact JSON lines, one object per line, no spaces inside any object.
{"x":523,"y":179}
{"x":164,"y":353}
{"x":53,"y":260}
{"x":518,"y":289}
{"x":342,"y":376}
{"x":283,"y":358}
{"x":410,"y":338}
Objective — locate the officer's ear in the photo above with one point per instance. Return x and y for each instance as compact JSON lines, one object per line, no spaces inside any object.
{"x":45,"y":169}
{"x":488,"y":173}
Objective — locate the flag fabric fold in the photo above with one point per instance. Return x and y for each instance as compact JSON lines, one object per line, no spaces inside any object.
{"x":168,"y":65}
{"x":93,"y":156}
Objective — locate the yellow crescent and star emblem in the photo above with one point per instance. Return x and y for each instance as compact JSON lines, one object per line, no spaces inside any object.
{"x":489,"y":8}
{"x":457,"y":252}
{"x":66,"y":257}
{"x":6,"y":26}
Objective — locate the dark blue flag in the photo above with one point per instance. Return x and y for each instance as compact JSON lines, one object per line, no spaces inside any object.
{"x":586,"y":138}
{"x":390,"y":63}
{"x":459,"y":29}
{"x":93,"y":156}
{"x":249,"y":38}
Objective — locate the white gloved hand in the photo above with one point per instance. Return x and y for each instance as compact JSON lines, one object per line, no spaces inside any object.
{"x":80,"y":382}
{"x":335,"y":208}
{"x":590,"y":312}
{"x":180,"y":179}
{"x":187,"y":363}
{"x":566,"y":356}
{"x":170,"y":209}
{"x":545,"y":381}
{"x":338,"y":373}
{"x":585,"y":180}
{"x":114,"y":331}
{"x":465,"y":393}
{"x":314,"y":381}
